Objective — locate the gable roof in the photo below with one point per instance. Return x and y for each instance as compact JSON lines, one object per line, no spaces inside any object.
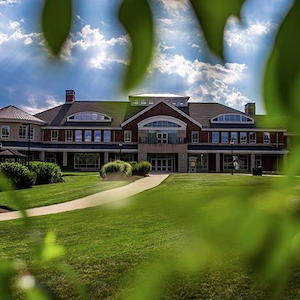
{"x":12,"y":113}
{"x":166,"y":103}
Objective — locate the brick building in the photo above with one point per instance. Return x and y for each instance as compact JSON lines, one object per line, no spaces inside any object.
{"x":167,"y":130}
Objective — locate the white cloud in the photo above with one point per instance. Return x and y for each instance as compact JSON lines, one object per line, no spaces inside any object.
{"x":204,"y":81}
{"x":14,"y":25}
{"x":98,"y":50}
{"x":246,"y":37}
{"x":8,"y":2}
{"x":35,"y":105}
{"x":175,"y":5}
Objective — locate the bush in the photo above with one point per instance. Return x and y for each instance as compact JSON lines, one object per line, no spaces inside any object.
{"x":18,"y":175}
{"x":46,"y":172}
{"x":132,"y":163}
{"x":116,"y":170}
{"x":142,"y":169}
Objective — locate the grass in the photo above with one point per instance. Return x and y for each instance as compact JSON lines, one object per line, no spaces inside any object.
{"x":109,"y":246}
{"x":76,"y":185}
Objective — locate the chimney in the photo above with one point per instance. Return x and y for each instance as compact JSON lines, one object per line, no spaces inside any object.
{"x":70,"y":96}
{"x":250,"y":109}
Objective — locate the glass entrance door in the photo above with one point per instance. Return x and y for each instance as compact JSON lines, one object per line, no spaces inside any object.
{"x":162,"y":165}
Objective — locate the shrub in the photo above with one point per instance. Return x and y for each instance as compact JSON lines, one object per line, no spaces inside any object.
{"x":18,"y":175}
{"x":116,"y":170}
{"x":142,"y":169}
{"x":132,"y":163}
{"x":46,"y":172}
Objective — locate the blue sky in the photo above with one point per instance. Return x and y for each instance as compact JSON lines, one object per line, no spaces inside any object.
{"x":96,"y":54}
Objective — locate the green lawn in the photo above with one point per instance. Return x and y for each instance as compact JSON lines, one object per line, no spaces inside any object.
{"x":109,"y":246}
{"x":75,"y":186}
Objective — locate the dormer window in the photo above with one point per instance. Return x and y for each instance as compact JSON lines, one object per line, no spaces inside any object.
{"x":232,"y":118}
{"x":89,"y":117}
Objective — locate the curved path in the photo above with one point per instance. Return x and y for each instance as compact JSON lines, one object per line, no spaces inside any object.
{"x":104,"y":197}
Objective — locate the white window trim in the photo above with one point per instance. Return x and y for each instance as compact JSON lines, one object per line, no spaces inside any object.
{"x":95,"y":136}
{"x":252,"y":142}
{"x":195,"y":141}
{"x":232,"y":122}
{"x":33,"y":134}
{"x":141,"y":125}
{"x":5,"y":137}
{"x":269,"y":141}
{"x":237,"y":137}
{"x":106,"y":119}
{"x":130,"y":136}
{"x":241,"y":141}
{"x":23,"y":138}
{"x":66,"y":136}
{"x":52,"y":139}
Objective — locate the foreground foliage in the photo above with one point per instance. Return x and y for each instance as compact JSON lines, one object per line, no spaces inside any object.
{"x":155,"y":245}
{"x":117,"y":170}
{"x":46,"y":172}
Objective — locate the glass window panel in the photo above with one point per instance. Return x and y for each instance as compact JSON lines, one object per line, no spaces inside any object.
{"x":5,"y":131}
{"x":267,"y":138}
{"x":252,"y":137}
{"x":127,"y":136}
{"x":69,"y":135}
{"x":97,"y":136}
{"x":224,"y":137}
{"x":215,"y":137}
{"x":107,"y":136}
{"x":78,"y":136}
{"x":88,"y":135}
{"x":234,"y":137}
{"x":22,"y":132}
{"x":195,"y":137}
{"x":243,"y":137}
{"x":54,"y":135}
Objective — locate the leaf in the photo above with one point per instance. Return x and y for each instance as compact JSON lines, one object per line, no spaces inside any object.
{"x":282,"y":75}
{"x":50,"y":249}
{"x":7,"y":272}
{"x":136,"y":17}
{"x":56,"y":23}
{"x":212,"y":16}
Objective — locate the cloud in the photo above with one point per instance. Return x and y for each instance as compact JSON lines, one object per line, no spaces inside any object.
{"x":38,"y":103}
{"x":8,"y":2}
{"x":246,"y":38}
{"x":14,"y":25}
{"x":175,"y":6}
{"x":204,"y":82}
{"x":98,"y":51}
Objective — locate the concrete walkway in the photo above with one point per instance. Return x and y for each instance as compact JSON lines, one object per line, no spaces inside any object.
{"x":101,"y":198}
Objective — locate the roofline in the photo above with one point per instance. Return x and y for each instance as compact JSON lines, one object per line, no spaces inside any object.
{"x":168,"y":104}
{"x":23,"y":121}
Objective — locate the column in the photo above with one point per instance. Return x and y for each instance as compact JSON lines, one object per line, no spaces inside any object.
{"x":42,"y":156}
{"x":252,"y":161}
{"x":65,"y":158}
{"x":218,"y":162}
{"x":106,"y":157}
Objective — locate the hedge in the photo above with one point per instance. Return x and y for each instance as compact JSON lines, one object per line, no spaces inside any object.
{"x":18,"y":175}
{"x":141,"y":169}
{"x":116,"y":170}
{"x":46,"y":172}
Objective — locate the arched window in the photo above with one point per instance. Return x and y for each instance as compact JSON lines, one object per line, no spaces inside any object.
{"x":232,"y":118}
{"x":89,"y":116}
{"x":162,"y":122}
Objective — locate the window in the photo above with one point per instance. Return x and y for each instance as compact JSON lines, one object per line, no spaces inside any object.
{"x":78,"y":136}
{"x":237,"y":162}
{"x":215,"y":137}
{"x":243,"y":137}
{"x":161,"y":124}
{"x":97,"y":136}
{"x":107,"y":137}
{"x":86,"y":161}
{"x":195,"y":137}
{"x":31,"y":133}
{"x":127,"y":136}
{"x":69,"y":135}
{"x":54,"y":135}
{"x":234,"y":138}
{"x":5,"y":131}
{"x":22,"y":132}
{"x":252,"y":137}
{"x":232,"y":118}
{"x":224,"y":137}
{"x":202,"y":162}
{"x":88,"y":136}
{"x":267,"y":138}
{"x":89,"y":117}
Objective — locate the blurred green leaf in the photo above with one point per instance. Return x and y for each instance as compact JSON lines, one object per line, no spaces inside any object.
{"x":56,"y":23}
{"x":7,"y":271}
{"x":282,"y":75}
{"x":50,"y":250}
{"x":136,"y":17}
{"x":213,"y":15}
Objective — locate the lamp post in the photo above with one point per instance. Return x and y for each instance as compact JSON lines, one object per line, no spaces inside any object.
{"x":231,"y":144}
{"x":120,"y":146}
